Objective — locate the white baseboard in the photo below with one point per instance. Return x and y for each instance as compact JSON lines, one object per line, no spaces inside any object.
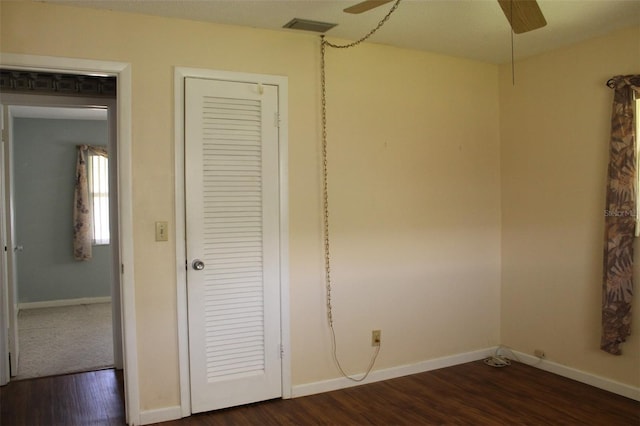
{"x":63,"y":302}
{"x":160,"y":415}
{"x":391,"y":373}
{"x":175,"y":412}
{"x":609,"y":385}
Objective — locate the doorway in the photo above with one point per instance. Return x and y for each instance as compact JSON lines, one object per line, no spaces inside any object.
{"x":124,"y":299}
{"x":65,"y":314}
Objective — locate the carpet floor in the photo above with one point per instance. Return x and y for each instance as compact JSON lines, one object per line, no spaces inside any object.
{"x":64,"y":340}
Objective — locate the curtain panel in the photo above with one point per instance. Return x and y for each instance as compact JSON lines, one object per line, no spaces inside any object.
{"x":82,"y":215}
{"x":620,"y":217}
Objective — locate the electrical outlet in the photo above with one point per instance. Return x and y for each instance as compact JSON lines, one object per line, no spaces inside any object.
{"x":375,"y":337}
{"x":539,"y":353}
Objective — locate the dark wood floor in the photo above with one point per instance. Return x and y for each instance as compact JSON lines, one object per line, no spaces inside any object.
{"x":467,"y":394}
{"x":93,"y":398}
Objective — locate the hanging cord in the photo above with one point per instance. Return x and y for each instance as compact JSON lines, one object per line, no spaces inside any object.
{"x":369,"y":34}
{"x":513,"y":66}
{"x":325,"y":195}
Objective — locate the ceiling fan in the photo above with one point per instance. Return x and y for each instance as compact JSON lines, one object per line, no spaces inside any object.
{"x":523,"y":15}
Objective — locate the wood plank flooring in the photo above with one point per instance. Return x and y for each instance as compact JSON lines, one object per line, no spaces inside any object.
{"x":93,"y":398}
{"x":467,"y":394}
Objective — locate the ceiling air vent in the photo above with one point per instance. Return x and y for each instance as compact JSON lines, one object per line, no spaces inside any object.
{"x":307,"y":25}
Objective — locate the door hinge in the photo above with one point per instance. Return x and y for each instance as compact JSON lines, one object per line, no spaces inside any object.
{"x":281,"y":351}
{"x":122,"y":268}
{"x":276,"y":120}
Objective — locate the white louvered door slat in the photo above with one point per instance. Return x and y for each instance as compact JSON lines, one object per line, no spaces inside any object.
{"x":231,"y":176}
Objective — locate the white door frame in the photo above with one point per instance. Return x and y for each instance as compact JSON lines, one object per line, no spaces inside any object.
{"x":125,"y":215}
{"x":181,"y":279}
{"x":4,"y":290}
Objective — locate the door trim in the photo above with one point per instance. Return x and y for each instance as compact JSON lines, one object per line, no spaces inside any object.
{"x":180,"y":74}
{"x":4,"y":290}
{"x":127,"y":285}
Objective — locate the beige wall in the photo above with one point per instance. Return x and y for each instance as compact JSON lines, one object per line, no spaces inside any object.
{"x":414,"y":178}
{"x":415,"y":187}
{"x":554,"y":139}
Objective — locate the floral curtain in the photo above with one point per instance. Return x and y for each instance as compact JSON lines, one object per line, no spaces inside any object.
{"x":82,"y":220}
{"x":620,"y":217}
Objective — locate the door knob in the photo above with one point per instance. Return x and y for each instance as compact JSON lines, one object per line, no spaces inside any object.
{"x":197,"y":264}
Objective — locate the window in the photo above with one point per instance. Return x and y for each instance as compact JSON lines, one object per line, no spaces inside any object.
{"x":98,"y":181}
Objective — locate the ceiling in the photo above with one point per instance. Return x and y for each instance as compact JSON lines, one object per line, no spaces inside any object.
{"x":473,"y":29}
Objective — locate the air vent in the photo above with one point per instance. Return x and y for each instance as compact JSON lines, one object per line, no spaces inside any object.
{"x":307,"y":25}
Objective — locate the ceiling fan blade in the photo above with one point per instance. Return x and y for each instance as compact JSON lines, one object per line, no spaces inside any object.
{"x":365,"y":5}
{"x":525,"y":15}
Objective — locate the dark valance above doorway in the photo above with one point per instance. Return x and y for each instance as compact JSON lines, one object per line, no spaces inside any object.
{"x":43,"y":83}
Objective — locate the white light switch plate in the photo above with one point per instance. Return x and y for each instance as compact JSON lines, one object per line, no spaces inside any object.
{"x":162,"y":231}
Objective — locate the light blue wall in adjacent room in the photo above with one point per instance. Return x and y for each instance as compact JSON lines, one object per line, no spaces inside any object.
{"x":44,"y":158}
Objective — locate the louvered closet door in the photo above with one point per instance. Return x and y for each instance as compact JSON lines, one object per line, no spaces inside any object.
{"x":232,"y":201}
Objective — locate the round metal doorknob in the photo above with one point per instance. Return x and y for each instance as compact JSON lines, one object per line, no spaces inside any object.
{"x":197,"y":264}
